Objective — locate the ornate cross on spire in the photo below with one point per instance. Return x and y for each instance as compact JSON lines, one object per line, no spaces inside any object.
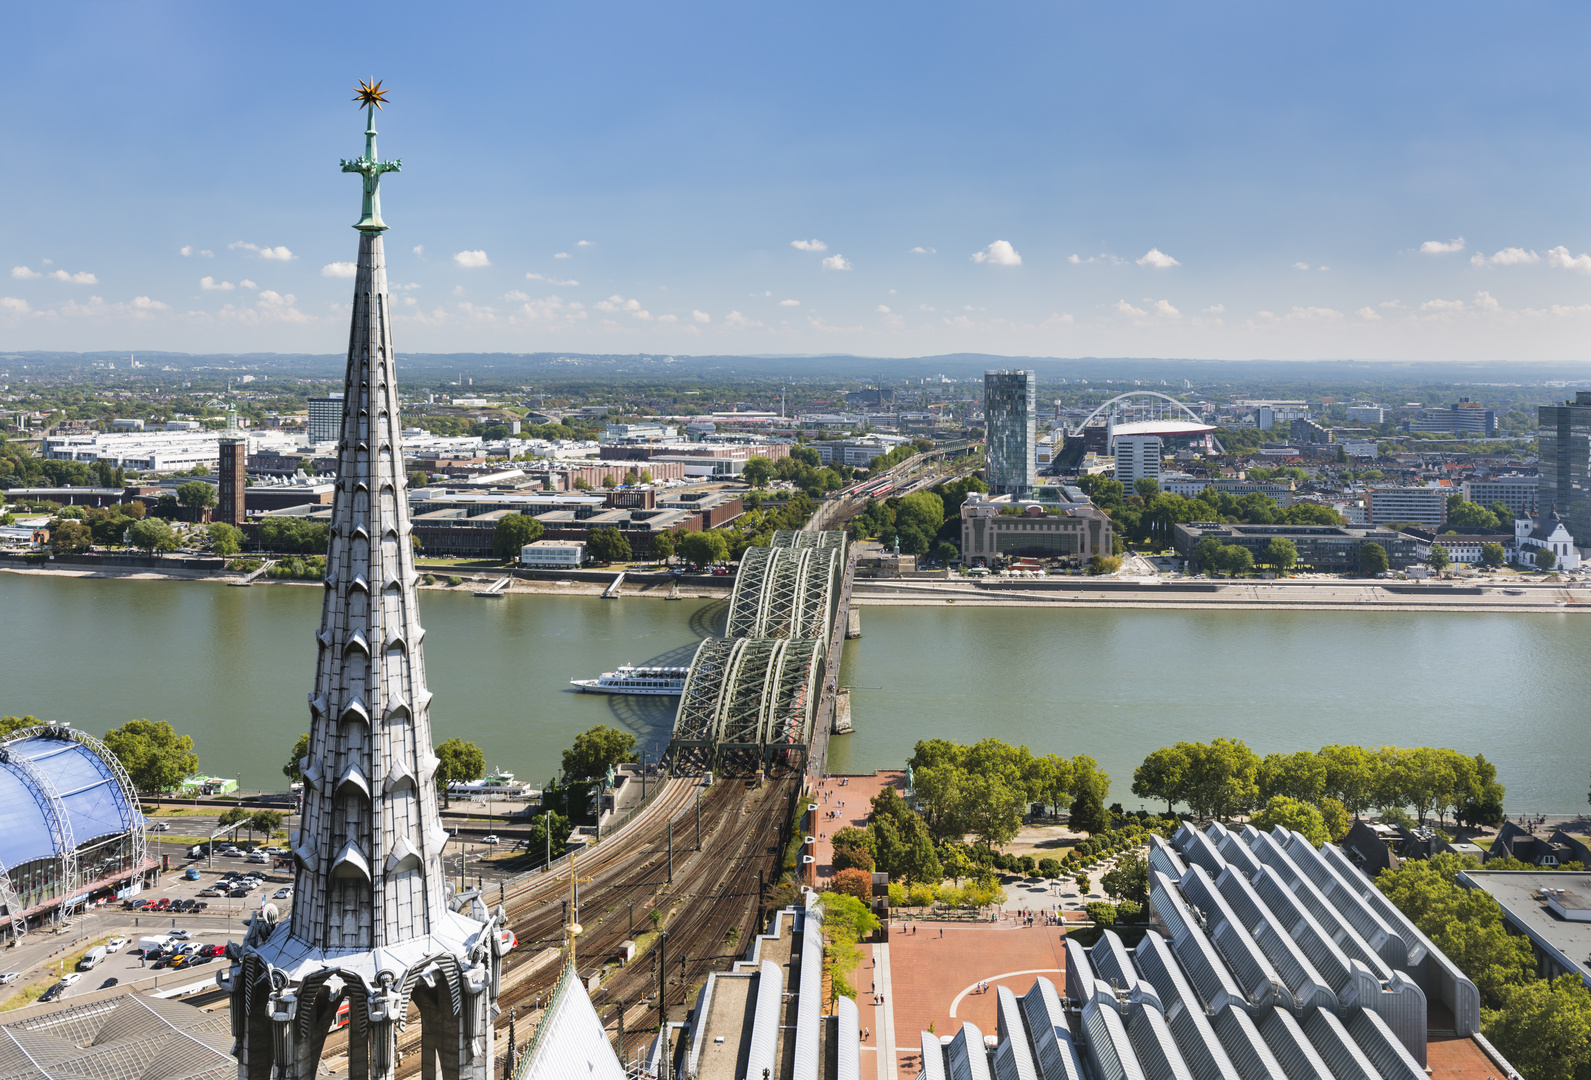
{"x":371,"y":96}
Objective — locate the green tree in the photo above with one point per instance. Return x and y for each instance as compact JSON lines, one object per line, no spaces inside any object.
{"x":69,"y":537}
{"x":607,"y":545}
{"x":1301,"y":775}
{"x":265,"y":822}
{"x":1439,"y":559}
{"x":234,"y":816}
{"x":1372,"y":559}
{"x":1545,"y":558}
{"x":196,"y":495}
{"x":1162,"y":774}
{"x":540,"y":826}
{"x":1336,"y":818}
{"x":992,"y":808}
{"x":594,"y":750}
{"x":225,"y":540}
{"x":610,"y":482}
{"x":1146,"y":487}
{"x":704,"y":548}
{"x":1235,"y":559}
{"x":852,"y":858}
{"x":1088,"y":813}
{"x":419,"y":478}
{"x":152,"y":534}
{"x":1468,"y":515}
{"x":917,"y":520}
{"x":1466,"y":924}
{"x":1493,"y":555}
{"x":854,"y":883}
{"x":514,"y":531}
{"x":663,"y":546}
{"x":292,"y":770}
{"x":1128,"y":879}
{"x":1049,"y":868}
{"x":155,"y":756}
{"x":1294,"y":816}
{"x":1280,"y":553}
{"x":458,"y":760}
{"x":1544,"y":1028}
{"x":757,"y":471}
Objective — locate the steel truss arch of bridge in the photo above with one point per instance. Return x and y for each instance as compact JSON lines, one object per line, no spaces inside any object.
{"x":750,"y":701}
{"x":1129,"y":395}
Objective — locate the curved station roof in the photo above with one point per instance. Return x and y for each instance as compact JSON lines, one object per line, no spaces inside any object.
{"x":55,"y":792}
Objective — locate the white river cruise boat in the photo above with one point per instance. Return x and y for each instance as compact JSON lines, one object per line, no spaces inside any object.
{"x":629,"y":679}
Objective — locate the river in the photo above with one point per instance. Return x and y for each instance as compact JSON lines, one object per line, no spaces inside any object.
{"x":232,"y":667}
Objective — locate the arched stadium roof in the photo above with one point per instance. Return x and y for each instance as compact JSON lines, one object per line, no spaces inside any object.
{"x":1163,"y":428}
{"x":72,"y":777}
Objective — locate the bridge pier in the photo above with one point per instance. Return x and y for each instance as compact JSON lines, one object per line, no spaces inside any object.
{"x":853,"y":624}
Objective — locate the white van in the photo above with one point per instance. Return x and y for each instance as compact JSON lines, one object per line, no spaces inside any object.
{"x":153,"y":944}
{"x":91,"y":958}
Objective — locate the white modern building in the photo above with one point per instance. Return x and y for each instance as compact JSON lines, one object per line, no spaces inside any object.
{"x":157,"y":451}
{"x":1361,"y":448}
{"x":1518,"y":493}
{"x":1367,"y":414}
{"x":553,"y":555}
{"x":1137,"y":458}
{"x":1420,"y":505}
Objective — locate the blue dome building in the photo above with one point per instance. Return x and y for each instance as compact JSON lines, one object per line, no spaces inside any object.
{"x":71,"y":829}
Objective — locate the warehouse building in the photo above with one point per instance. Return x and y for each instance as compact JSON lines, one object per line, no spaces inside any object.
{"x":1330,"y":549}
{"x":71,"y":830}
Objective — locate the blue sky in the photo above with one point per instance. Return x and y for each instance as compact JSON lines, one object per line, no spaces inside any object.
{"x":1402,"y":181}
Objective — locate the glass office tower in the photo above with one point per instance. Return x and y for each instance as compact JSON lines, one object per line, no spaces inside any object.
{"x":1010,"y":407}
{"x":1564,"y":437}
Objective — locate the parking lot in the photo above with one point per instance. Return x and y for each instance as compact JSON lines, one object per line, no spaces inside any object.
{"x":224,"y":918}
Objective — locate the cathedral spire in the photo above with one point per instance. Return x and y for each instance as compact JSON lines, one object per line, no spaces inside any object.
{"x":374,"y":920}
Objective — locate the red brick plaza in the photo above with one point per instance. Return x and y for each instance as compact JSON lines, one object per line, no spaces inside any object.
{"x":933,"y":980}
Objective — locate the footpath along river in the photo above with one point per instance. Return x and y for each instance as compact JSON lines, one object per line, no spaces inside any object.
{"x":232,"y":667}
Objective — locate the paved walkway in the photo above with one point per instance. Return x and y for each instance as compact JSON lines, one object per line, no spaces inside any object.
{"x":842,"y":801}
{"x":928,"y":979}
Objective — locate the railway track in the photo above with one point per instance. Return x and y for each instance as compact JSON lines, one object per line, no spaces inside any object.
{"x":712,"y":891}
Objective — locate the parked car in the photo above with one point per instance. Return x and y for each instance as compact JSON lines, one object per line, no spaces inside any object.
{"x":53,"y":992}
{"x":178,"y":935}
{"x":284,"y":893}
{"x":110,"y":982}
{"x":238,"y":893}
{"x":10,"y":977}
{"x":258,"y":857}
{"x":135,"y":905}
{"x":213,"y":890}
{"x":191,"y":874}
{"x":161,"y":826}
{"x":116,"y":944}
{"x":72,"y":977}
{"x":490,"y":838}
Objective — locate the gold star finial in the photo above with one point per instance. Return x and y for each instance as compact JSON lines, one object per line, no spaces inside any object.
{"x":370,"y":93}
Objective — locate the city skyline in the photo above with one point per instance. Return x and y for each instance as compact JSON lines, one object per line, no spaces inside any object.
{"x":1228,"y":183}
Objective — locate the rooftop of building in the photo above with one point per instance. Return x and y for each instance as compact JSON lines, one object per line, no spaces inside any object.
{"x":1524,"y":894}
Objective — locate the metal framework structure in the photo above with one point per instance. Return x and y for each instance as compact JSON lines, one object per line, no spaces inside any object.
{"x":750,"y":699}
{"x":1131,"y":394}
{"x":138,"y":834}
{"x":55,"y":819}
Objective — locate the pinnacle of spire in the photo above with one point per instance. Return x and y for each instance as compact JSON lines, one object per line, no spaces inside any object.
{"x":370,"y":168}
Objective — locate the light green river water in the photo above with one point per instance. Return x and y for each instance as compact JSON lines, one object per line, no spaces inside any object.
{"x":232,"y":667}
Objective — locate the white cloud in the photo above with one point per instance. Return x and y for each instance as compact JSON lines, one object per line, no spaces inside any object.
{"x":1157,"y":259}
{"x":999,"y":253}
{"x":619,"y":303}
{"x":515,"y":294}
{"x":187,"y":249}
{"x":920,"y":250}
{"x":1396,"y":305}
{"x":735,"y":318}
{"x":1215,"y":309}
{"x":340,"y":270}
{"x":247,"y":284}
{"x":549,"y":280}
{"x":809,"y":245}
{"x":405,"y":288}
{"x":1442,"y":307}
{"x":1314,"y":313}
{"x":1164,"y":308}
{"x":1368,"y":313}
{"x":701,"y":316}
{"x":1125,"y":308}
{"x":1438,"y":247}
{"x":1300,"y":266}
{"x":1514,"y":256}
{"x":1486,"y":302}
{"x":144,"y":303}
{"x":647,"y":315}
{"x":13,"y":304}
{"x":279,"y":254}
{"x":1078,"y":260}
{"x":82,"y":277}
{"x":419,"y":249}
{"x":883,"y":309}
{"x":24,"y":273}
{"x":561,"y":255}
{"x":789,"y":303}
{"x":1558,"y":258}
{"x":668,"y":318}
{"x":836,"y":262}
{"x":210,"y":284}
{"x":471,"y":260}
{"x":582,"y":243}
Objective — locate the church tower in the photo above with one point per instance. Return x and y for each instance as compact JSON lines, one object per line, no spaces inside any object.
{"x":373,"y":922}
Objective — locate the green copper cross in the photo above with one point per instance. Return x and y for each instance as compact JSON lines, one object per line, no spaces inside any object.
{"x":368,"y":167}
